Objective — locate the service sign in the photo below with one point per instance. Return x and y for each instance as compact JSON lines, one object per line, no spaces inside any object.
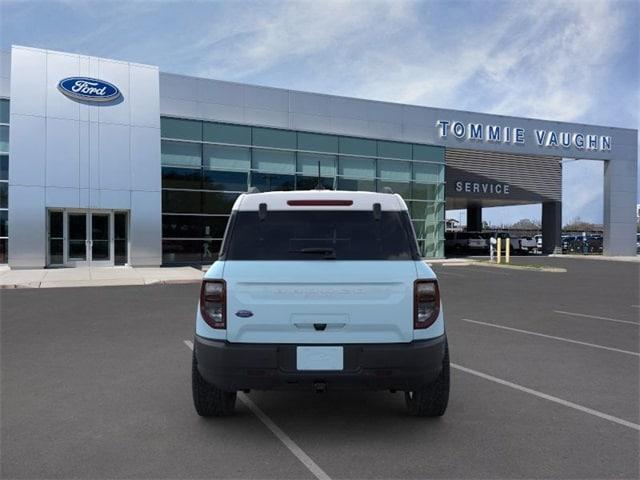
{"x":88,"y":89}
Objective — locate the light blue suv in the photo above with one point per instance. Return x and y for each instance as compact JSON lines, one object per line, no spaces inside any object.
{"x":317,"y":290}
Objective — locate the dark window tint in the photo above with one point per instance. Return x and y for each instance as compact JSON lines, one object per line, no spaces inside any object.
{"x":356,"y":185}
{"x":4,"y":228}
{"x":4,"y":194}
{"x":214,"y":226}
{"x":176,"y":201}
{"x":190,"y":251}
{"x":120,"y":245}
{"x":182,"y":178}
{"x":404,"y":189}
{"x":4,"y":167}
{"x":55,"y":225}
{"x":182,"y":251}
{"x":3,"y":251}
{"x":227,"y":181}
{"x":215,"y":202}
{"x":181,"y":226}
{"x":321,"y":235}
{"x":309,"y":183}
{"x":4,"y":111}
{"x":267,"y":182}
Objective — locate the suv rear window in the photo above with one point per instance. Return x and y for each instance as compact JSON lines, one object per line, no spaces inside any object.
{"x":320,"y":235}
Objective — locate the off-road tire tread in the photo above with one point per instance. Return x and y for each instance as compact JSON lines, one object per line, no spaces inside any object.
{"x":208,"y":400}
{"x":432,"y":399}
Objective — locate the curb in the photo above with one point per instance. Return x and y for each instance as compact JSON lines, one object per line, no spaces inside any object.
{"x":521,"y":267}
{"x":63,"y":284}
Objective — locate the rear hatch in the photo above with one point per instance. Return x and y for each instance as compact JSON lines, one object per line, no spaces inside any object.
{"x":320,"y":277}
{"x":320,"y":301}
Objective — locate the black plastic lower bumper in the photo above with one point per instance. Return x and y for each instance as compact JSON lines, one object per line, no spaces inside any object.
{"x":241,"y":366}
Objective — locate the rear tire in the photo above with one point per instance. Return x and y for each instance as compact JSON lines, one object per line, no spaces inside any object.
{"x":431,"y":400}
{"x":209,"y":400}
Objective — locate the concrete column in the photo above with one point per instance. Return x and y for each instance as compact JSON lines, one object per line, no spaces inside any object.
{"x":620,"y":198}
{"x":551,"y":227}
{"x":474,"y":218}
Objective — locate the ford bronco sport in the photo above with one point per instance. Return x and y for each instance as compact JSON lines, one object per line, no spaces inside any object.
{"x":320,"y":290}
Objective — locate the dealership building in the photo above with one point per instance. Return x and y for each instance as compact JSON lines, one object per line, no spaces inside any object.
{"x":107,"y":162}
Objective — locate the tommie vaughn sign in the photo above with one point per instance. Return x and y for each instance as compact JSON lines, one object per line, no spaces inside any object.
{"x":479,"y":132}
{"x":88,"y":89}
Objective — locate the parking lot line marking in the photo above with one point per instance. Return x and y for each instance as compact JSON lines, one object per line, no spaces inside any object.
{"x":279,"y":433}
{"x":562,"y":339}
{"x":491,"y":270}
{"x":596,"y":317}
{"x":285,"y":439}
{"x":440,"y":272}
{"x":551,"y":398}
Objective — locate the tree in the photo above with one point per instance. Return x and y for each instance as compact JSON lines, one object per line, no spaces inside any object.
{"x":579,"y":225}
{"x":525,"y":224}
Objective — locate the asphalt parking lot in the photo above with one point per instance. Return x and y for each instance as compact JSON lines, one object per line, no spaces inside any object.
{"x":96,"y":384}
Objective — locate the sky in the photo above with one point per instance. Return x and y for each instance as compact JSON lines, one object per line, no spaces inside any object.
{"x":558,"y":60}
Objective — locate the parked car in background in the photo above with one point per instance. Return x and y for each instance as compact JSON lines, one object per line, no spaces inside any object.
{"x":473,"y":243}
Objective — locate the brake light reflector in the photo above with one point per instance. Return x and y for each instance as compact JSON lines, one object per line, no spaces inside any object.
{"x":320,"y":203}
{"x":426,"y":303}
{"x":213,"y":303}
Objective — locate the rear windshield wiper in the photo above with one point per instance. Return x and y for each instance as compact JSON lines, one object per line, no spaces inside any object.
{"x":329,"y":253}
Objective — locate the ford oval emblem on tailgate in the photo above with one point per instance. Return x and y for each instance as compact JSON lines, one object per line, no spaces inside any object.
{"x":244,"y":313}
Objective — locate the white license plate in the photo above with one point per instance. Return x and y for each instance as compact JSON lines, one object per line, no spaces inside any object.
{"x":320,"y":358}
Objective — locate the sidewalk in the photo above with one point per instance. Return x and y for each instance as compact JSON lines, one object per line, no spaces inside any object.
{"x":97,"y":277}
{"x":635,"y":259}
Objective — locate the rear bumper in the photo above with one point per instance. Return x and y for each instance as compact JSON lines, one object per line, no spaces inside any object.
{"x":399,"y":366}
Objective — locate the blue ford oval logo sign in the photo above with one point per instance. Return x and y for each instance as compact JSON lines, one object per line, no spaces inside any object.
{"x":89,"y":89}
{"x":244,"y":313}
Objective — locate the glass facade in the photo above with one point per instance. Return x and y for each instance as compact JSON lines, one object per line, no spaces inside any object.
{"x":4,"y":180}
{"x":206,"y":165}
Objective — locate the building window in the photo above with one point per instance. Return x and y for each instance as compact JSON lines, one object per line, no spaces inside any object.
{"x":181,"y":153}
{"x":206,"y":165}
{"x":4,"y":181}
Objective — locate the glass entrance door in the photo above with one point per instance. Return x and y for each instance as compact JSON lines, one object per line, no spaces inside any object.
{"x":100,"y":241}
{"x":77,"y":240}
{"x":87,"y":238}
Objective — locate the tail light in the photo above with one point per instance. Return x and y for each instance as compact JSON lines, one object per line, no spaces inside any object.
{"x":213,"y":303}
{"x":426,"y":303}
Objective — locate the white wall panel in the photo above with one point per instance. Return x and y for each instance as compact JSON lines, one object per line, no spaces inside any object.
{"x":62,"y":197}
{"x":146,"y":228}
{"x":28,"y":82}
{"x":341,"y":107}
{"x":28,"y":227}
{"x":63,"y":153}
{"x":84,"y":158}
{"x":115,"y":199}
{"x":115,"y":156}
{"x":223,"y":113}
{"x":271,"y":118}
{"x":145,"y":155}
{"x":94,"y":155}
{"x":118,"y":74}
{"x":59,"y":66}
{"x":144,"y":97}
{"x":266,"y":98}
{"x":223,"y":93}
{"x":179,"y":87}
{"x":310,"y":103}
{"x":303,"y":121}
{"x":27,"y":142}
